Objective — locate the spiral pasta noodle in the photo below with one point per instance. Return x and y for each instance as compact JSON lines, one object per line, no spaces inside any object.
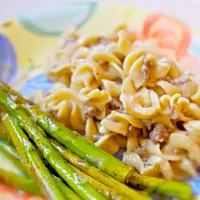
{"x":119,"y":95}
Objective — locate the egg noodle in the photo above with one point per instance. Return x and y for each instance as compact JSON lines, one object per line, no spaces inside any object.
{"x":119,"y":95}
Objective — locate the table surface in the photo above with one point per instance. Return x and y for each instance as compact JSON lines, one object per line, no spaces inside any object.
{"x":186,"y":10}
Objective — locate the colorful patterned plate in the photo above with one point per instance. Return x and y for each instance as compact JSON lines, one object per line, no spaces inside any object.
{"x":26,"y":41}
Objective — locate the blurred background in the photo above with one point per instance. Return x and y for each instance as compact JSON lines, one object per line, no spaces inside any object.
{"x":186,"y":10}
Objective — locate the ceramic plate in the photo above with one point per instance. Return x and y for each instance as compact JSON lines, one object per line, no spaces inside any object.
{"x":26,"y":41}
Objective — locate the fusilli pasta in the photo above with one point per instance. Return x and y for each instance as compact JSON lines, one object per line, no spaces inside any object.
{"x":115,"y":92}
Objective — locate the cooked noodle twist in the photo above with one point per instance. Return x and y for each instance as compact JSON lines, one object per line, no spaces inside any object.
{"x":120,"y":95}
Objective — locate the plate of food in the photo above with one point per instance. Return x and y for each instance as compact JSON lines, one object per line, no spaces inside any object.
{"x":99,"y":101}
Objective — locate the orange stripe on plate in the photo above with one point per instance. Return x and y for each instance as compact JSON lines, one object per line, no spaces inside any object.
{"x":8,"y":193}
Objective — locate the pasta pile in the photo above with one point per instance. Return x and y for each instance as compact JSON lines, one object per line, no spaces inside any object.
{"x":116,"y":93}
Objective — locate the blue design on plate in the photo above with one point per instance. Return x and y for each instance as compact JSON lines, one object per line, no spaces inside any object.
{"x":55,"y":19}
{"x":195,"y":183}
{"x":8,"y":60}
{"x":195,"y":46}
{"x":39,"y":82}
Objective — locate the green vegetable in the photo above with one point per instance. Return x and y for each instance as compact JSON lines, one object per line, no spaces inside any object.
{"x":3,"y":132}
{"x":32,"y":160}
{"x":80,"y":146}
{"x":9,"y":149}
{"x":109,"y":193}
{"x":77,"y":183}
{"x":11,"y":152}
{"x":96,"y":173}
{"x":104,"y":190}
{"x":19,"y":182}
{"x":153,"y":184}
{"x":161,"y":186}
{"x":69,"y":194}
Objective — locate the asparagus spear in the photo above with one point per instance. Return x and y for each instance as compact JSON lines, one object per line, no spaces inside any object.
{"x":82,"y":147}
{"x":3,"y":132}
{"x":139,"y":181}
{"x":161,"y":186}
{"x":151,"y":184}
{"x":64,"y":136}
{"x":104,"y":190}
{"x":110,"y":191}
{"x":18,"y":179}
{"x":32,"y":160}
{"x":77,"y":183}
{"x":24,"y":183}
{"x":69,"y":194}
{"x":20,"y":182}
{"x":12,"y":153}
{"x":9,"y":150}
{"x":95,"y":173}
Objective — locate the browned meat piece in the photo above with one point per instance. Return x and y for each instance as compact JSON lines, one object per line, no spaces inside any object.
{"x":159,"y":133}
{"x":115,"y":104}
{"x":90,"y":111}
{"x":148,"y":124}
{"x":141,"y":151}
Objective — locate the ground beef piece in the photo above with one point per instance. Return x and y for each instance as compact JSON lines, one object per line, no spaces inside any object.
{"x":148,"y":124}
{"x":159,"y":133}
{"x":141,"y":151}
{"x":115,"y":104}
{"x":90,"y":111}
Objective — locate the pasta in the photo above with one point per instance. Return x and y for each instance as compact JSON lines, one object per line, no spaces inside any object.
{"x":119,"y":95}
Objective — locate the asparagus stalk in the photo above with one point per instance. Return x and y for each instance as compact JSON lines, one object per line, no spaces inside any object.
{"x":77,"y":183}
{"x":20,"y":182}
{"x":104,"y":190}
{"x":82,"y":147}
{"x":95,"y":173}
{"x":24,"y":183}
{"x":110,"y":193}
{"x":3,"y":132}
{"x":11,"y":152}
{"x":79,"y":145}
{"x":153,"y":184}
{"x":161,"y":186}
{"x":69,"y":194}
{"x":86,"y":150}
{"x":32,"y":160}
